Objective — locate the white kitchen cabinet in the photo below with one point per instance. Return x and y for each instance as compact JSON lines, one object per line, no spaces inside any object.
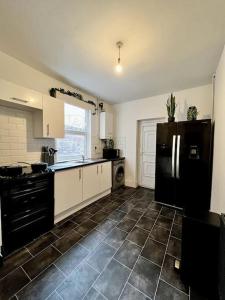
{"x":106,"y":125}
{"x":105,"y":176}
{"x":96,"y":179}
{"x":68,"y":189}
{"x":49,"y":123}
{"x":18,"y":96}
{"x":91,"y":181}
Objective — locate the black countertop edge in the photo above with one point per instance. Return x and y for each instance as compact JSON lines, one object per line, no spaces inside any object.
{"x":115,"y":159}
{"x":65,"y":166}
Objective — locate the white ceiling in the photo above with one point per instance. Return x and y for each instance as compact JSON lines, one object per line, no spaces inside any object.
{"x":168,"y":44}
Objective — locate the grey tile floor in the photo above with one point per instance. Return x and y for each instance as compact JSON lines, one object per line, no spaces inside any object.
{"x":121,"y":247}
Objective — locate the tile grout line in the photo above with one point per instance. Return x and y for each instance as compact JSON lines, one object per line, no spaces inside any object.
{"x":26,"y":273}
{"x":33,"y":257}
{"x":52,"y":264}
{"x":126,"y":267}
{"x":138,"y":258}
{"x":174,"y":287}
{"x":16,"y":268}
{"x":59,"y":295}
{"x":61,"y":271}
{"x":55,"y":291}
{"x":20,"y":266}
{"x":164,"y":258}
{"x":134,"y":287}
{"x":106,"y":266}
{"x":152,"y":262}
{"x":65,"y":275}
{"x":86,"y":258}
{"x":86,"y":261}
{"x":55,"y":234}
{"x":29,"y":251}
{"x":56,"y":249}
{"x":68,"y":275}
{"x":169,"y":254}
{"x":74,"y":229}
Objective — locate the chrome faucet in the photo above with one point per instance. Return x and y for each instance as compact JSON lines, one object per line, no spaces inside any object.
{"x":83,"y":158}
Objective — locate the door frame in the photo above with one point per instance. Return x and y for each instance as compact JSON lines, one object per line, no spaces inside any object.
{"x":138,"y":158}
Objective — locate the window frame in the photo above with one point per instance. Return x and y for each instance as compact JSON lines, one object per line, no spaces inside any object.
{"x":86,"y":133}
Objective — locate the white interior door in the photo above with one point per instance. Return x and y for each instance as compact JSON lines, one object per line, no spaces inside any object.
{"x":147,"y":152}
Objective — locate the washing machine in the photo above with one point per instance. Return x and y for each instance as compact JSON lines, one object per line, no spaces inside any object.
{"x":118,"y":173}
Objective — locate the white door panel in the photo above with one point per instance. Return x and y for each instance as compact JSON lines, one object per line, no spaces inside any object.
{"x":147,"y":152}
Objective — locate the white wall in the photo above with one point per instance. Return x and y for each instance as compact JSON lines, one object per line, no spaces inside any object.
{"x":16,"y":136}
{"x":218,"y":182}
{"x":127,"y":114}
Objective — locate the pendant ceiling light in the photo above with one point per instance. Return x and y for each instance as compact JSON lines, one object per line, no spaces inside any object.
{"x":119,"y":67}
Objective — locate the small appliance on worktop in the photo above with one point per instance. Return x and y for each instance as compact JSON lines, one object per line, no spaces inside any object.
{"x":27,"y":205}
{"x":110,"y":153}
{"x":118,"y":166}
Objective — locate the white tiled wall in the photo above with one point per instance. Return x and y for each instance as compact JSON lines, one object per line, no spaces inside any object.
{"x":16,"y":137}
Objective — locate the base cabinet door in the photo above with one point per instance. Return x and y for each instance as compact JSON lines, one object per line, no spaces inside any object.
{"x":91,"y":181}
{"x":68,"y":189}
{"x":105,"y":176}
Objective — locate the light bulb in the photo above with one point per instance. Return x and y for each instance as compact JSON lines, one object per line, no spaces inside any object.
{"x":119,"y":68}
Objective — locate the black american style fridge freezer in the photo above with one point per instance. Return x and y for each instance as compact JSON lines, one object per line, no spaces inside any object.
{"x":183,"y":164}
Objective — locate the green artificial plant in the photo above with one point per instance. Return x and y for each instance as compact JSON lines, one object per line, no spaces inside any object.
{"x":171,"y":107}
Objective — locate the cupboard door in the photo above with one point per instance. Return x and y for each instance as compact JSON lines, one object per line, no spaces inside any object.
{"x":106,"y":125}
{"x":106,"y":176}
{"x":78,"y":186}
{"x":68,"y":189}
{"x":53,"y":117}
{"x":91,"y":181}
{"x":17,"y":95}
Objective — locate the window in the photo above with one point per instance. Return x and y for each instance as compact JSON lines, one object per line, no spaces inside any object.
{"x":76,"y":140}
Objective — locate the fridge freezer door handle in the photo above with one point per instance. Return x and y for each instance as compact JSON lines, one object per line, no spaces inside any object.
{"x":178,"y":158}
{"x":173,"y":155}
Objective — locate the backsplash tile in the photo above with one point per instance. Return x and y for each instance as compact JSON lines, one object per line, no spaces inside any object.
{"x":17,"y":142}
{"x":16,"y":137}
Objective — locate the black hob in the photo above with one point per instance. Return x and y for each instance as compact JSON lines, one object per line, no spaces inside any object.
{"x":19,"y":172}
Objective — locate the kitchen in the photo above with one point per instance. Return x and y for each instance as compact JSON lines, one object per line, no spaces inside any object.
{"x":86,"y":212}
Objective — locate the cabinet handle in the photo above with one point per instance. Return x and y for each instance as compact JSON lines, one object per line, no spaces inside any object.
{"x":97,"y":170}
{"x":79,"y":174}
{"x":20,"y":100}
{"x":101,"y":168}
{"x":47,"y":129}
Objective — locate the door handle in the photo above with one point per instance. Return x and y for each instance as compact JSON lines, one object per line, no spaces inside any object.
{"x":101,"y":168}
{"x":173,"y":155}
{"x":20,"y":100}
{"x":97,"y":170}
{"x":178,"y":158}
{"x":79,"y":174}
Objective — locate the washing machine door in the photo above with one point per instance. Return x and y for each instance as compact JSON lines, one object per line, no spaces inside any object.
{"x":119,"y":176}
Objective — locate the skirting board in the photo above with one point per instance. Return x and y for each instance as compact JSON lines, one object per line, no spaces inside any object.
{"x":75,"y":208}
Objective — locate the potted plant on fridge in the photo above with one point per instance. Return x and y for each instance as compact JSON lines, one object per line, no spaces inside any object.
{"x":171,"y":107}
